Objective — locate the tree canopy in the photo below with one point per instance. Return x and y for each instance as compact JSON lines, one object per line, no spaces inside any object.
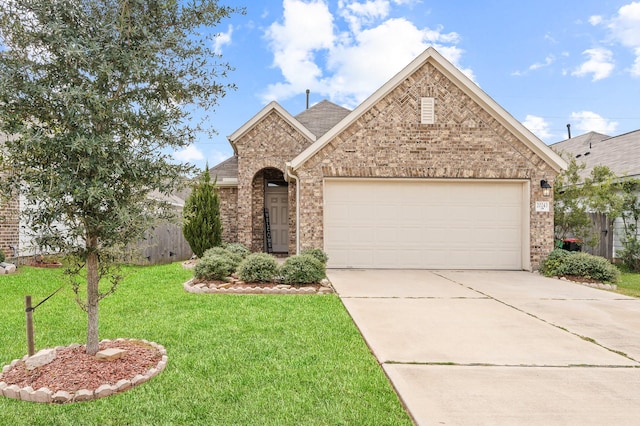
{"x":96,"y":94}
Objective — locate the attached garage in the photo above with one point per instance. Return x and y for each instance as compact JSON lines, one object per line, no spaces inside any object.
{"x":426,"y":223}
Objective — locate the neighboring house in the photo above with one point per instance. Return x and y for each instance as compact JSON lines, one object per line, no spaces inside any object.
{"x":428,"y":172}
{"x":622,"y":155}
{"x":9,"y":220}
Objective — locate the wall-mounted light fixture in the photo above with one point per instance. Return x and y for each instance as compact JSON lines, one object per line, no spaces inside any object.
{"x":546,"y":188}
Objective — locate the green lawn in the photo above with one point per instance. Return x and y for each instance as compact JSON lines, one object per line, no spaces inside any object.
{"x":233,"y":360}
{"x":629,"y":283}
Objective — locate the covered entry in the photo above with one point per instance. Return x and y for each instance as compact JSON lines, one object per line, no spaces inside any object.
{"x":426,"y":223}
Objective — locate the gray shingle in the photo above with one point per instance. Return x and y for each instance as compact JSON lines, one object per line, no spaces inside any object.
{"x":321,"y":117}
{"x":620,"y":153}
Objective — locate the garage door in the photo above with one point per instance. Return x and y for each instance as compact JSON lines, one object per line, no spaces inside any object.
{"x":434,"y":224}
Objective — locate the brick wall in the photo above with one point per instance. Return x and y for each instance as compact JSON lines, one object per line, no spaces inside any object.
{"x":267,"y":146}
{"x":229,"y":213}
{"x":9,"y":225}
{"x":465,"y":142}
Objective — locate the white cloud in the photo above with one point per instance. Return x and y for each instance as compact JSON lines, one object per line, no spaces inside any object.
{"x":222,"y":39}
{"x":347,"y":64}
{"x":538,"y":126}
{"x":600,"y":64}
{"x":588,"y":121}
{"x":624,"y":29}
{"x":189,"y":154}
{"x":595,"y":19}
{"x":550,"y":59}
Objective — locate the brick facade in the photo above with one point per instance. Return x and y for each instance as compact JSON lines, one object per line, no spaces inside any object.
{"x":229,"y":213}
{"x":465,"y":142}
{"x":262,"y":153}
{"x":9,"y":225}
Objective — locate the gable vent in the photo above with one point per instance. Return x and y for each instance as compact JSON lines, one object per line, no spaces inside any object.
{"x":427,"y":111}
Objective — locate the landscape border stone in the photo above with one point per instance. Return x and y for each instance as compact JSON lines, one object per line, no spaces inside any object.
{"x":192,"y":286}
{"x":44,"y":395}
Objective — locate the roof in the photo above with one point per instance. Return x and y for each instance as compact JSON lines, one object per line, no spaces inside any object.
{"x":271,"y":107}
{"x":226,"y":173}
{"x":465,"y":84}
{"x":620,"y":153}
{"x":321,"y":117}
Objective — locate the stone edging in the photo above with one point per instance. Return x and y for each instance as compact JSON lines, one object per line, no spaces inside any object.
{"x":237,"y":288}
{"x":594,"y":285}
{"x":46,"y":396}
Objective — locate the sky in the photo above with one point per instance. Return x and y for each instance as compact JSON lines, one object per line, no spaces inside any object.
{"x":548,"y":63}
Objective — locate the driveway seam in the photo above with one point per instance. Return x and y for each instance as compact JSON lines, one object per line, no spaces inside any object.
{"x":585,"y":338}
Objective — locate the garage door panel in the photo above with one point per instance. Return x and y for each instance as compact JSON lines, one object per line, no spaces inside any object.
{"x":424,"y":224}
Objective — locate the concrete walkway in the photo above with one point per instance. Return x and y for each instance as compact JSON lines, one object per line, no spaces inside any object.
{"x":499,"y":348}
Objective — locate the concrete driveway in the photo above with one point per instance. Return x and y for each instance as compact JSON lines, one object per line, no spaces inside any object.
{"x":499,"y":348}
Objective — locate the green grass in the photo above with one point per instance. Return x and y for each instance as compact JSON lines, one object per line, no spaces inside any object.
{"x":233,"y":360}
{"x":629,"y":283}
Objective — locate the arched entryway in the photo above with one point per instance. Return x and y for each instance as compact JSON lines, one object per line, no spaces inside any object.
{"x":270,"y":195}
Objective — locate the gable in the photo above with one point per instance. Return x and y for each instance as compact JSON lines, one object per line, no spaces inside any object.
{"x":461,"y":109}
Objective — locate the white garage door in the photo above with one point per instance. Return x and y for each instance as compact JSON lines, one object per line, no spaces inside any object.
{"x":433,"y":224}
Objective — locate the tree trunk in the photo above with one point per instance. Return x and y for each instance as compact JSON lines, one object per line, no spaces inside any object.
{"x":92,"y":296}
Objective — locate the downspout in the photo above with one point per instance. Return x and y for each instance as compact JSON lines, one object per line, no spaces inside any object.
{"x":294,"y":177}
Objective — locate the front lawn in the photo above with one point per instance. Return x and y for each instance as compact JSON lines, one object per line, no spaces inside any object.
{"x":233,"y":360}
{"x":629,"y":283}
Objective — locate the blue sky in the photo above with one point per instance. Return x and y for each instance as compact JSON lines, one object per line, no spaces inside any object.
{"x":548,"y":63}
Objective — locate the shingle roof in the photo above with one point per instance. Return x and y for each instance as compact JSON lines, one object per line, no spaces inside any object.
{"x":226,"y":172}
{"x":620,"y":153}
{"x":321,"y":117}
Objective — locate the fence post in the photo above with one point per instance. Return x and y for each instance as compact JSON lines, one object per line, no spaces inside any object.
{"x":30,"y":340}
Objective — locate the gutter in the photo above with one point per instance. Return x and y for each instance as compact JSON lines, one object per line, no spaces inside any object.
{"x":289,"y":174}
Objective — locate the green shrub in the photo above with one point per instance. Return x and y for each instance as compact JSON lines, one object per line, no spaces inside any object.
{"x":214,"y":267}
{"x":219,"y":251}
{"x":317,"y":253}
{"x":239,"y":249}
{"x":550,"y":267}
{"x":303,"y":269}
{"x":2,"y":256}
{"x":258,"y":267}
{"x":589,"y":266}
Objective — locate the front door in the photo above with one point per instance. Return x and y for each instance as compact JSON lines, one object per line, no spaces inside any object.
{"x":277,"y":203}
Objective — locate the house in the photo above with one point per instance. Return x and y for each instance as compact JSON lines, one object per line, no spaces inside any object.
{"x":428,"y":172}
{"x":9,"y":220}
{"x":622,"y":155}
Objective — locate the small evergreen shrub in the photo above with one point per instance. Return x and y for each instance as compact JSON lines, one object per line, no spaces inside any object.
{"x":1,"y":256}
{"x":258,"y":267}
{"x":219,"y":251}
{"x":589,"y":266}
{"x":214,"y":267}
{"x":550,"y":267}
{"x":317,"y":253}
{"x":303,"y":269}
{"x":239,"y":249}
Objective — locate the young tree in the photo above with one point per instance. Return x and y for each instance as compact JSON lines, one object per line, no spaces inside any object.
{"x":570,"y":208}
{"x":96,"y":93}
{"x":202,"y":227}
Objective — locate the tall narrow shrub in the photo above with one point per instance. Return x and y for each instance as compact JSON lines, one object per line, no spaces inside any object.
{"x":202,"y":226}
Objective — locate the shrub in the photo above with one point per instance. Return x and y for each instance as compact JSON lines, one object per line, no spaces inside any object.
{"x":551,"y":265}
{"x":239,"y":249}
{"x":214,"y":267}
{"x":258,"y":267}
{"x":2,"y":256}
{"x":303,"y":269}
{"x":317,"y":253}
{"x":219,"y":251}
{"x":588,"y":266}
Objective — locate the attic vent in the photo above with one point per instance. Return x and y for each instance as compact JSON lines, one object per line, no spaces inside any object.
{"x":427,"y":111}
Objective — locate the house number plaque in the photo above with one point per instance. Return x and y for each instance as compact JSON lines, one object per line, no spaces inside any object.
{"x":542,"y":206}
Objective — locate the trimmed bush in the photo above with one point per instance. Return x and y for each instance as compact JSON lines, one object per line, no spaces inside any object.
{"x":239,"y":249}
{"x":588,"y":266}
{"x":550,"y":267}
{"x":561,"y":262}
{"x":258,"y":267}
{"x":2,"y":256}
{"x":303,"y":269}
{"x":219,"y":251}
{"x":214,"y":267}
{"x":317,"y":253}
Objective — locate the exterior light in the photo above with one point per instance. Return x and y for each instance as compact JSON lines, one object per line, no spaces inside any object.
{"x":546,"y":188}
